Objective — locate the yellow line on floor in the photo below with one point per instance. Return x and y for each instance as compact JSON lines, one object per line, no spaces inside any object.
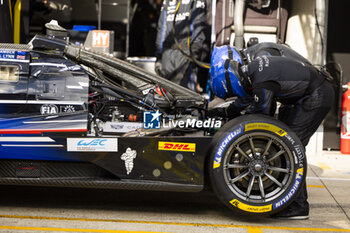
{"x":254,"y":230}
{"x":315,"y":186}
{"x":173,"y":223}
{"x":69,"y":229}
{"x":324,"y":166}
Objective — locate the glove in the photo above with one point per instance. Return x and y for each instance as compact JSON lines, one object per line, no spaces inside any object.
{"x":158,"y":68}
{"x":217,"y":112}
{"x":232,"y":111}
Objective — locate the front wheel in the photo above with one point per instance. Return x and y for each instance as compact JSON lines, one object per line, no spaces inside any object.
{"x":257,"y":165}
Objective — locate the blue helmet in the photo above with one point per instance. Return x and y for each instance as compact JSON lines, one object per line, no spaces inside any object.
{"x":225,"y":80}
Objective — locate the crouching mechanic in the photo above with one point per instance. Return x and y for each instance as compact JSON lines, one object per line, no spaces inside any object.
{"x":303,"y":91}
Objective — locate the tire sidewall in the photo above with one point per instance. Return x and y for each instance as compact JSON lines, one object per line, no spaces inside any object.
{"x":231,"y":132}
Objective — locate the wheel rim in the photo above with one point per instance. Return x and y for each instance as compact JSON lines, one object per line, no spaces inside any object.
{"x":258,"y":167}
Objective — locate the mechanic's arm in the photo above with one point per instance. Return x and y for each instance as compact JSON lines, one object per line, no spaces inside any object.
{"x":263,"y":98}
{"x":232,"y":111}
{"x":161,"y":31}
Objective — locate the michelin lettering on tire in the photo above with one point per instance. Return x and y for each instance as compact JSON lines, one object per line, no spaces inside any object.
{"x":223,"y":145}
{"x":291,"y":193}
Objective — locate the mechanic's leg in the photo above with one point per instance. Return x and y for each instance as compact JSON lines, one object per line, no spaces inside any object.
{"x":304,"y":118}
{"x":295,"y":116}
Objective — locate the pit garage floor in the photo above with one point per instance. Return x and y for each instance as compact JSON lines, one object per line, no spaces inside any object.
{"x":36,"y":209}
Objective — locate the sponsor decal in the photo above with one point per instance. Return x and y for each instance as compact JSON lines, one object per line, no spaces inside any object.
{"x":121,"y":127}
{"x":100,"y":38}
{"x":294,"y":189}
{"x":21,"y":52}
{"x":49,"y":109}
{"x":223,"y":145}
{"x":265,"y":126}
{"x":12,"y":55}
{"x":67,"y":108}
{"x":251,"y":208}
{"x":192,"y":123}
{"x":7,"y":54}
{"x":177,"y":146}
{"x":92,"y":144}
{"x":128,"y":156}
{"x":151,"y":120}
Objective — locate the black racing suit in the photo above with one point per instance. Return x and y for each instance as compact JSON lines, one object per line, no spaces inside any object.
{"x":303,"y":91}
{"x":190,"y":21}
{"x":271,"y":49}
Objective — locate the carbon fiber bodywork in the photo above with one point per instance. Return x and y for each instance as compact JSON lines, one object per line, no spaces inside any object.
{"x":106,"y":184}
{"x":153,"y":169}
{"x":78,"y":174}
{"x":50,"y":169}
{"x":15,"y":46}
{"x":150,"y":163}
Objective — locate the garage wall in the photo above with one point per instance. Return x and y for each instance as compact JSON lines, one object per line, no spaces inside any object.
{"x":301,"y":27}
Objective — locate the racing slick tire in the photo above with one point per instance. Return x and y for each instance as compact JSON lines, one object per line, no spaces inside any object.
{"x":257,"y":165}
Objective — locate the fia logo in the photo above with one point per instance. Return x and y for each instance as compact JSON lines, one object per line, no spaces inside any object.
{"x":49,"y":109}
{"x":151,"y":120}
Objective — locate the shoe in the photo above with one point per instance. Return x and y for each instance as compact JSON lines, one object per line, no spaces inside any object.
{"x":292,"y":214}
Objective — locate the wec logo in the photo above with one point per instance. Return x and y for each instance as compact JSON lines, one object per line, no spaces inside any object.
{"x":176,"y":146}
{"x":92,"y":144}
{"x":95,"y":142}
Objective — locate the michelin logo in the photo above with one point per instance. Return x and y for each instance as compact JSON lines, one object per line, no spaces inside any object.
{"x":223,"y":145}
{"x":296,"y":185}
{"x":128,"y":156}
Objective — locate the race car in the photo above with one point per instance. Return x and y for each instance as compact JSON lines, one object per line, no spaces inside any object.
{"x":74,"y":117}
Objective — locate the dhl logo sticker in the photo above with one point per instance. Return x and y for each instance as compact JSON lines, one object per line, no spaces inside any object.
{"x":177,"y":146}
